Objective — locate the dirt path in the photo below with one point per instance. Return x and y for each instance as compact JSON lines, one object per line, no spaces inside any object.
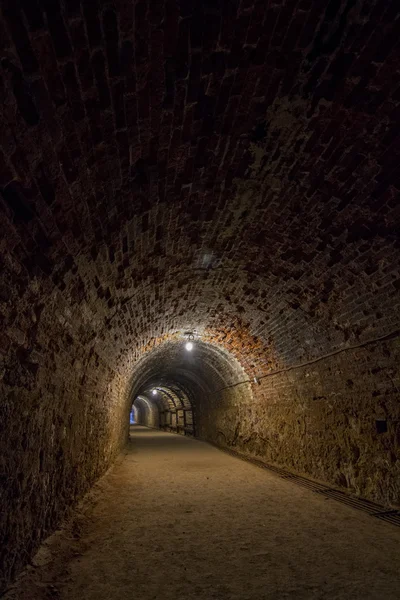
{"x":178,"y":519}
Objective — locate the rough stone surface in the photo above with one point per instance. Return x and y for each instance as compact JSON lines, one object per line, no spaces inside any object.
{"x":337,"y":420}
{"x":230,"y":167}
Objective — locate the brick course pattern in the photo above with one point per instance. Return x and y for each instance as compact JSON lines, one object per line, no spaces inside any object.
{"x":229,"y":167}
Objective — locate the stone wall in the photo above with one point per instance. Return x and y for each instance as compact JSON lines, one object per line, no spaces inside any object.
{"x":336,"y":419}
{"x":63,"y":419}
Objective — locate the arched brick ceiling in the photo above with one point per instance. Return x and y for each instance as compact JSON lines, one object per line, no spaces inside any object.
{"x":178,"y":164}
{"x":205,"y":370}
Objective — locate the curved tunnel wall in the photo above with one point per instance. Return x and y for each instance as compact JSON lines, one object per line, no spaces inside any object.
{"x":167,"y":167}
{"x":147,"y":412}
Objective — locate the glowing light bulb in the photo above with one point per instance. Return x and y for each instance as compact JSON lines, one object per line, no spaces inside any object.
{"x":189,"y":346}
{"x":154,"y":392}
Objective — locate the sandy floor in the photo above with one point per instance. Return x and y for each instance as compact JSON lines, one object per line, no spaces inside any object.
{"x":176,"y":518}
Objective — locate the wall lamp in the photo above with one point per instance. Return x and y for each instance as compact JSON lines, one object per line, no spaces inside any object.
{"x":189,"y":344}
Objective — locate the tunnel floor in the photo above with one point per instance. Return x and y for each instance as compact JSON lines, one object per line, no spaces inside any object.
{"x":177,"y":518}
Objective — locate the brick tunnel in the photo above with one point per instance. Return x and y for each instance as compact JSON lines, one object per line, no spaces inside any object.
{"x":217,"y":173}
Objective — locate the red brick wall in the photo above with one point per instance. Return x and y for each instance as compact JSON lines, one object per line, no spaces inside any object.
{"x":321,"y":420}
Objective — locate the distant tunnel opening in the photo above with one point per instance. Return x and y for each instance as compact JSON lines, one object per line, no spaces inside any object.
{"x":189,"y":393}
{"x":165,"y":407}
